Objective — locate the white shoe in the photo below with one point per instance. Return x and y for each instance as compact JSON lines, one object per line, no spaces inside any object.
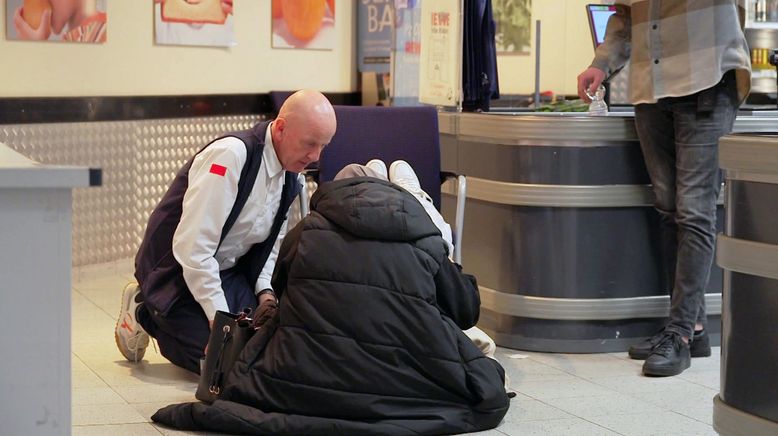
{"x":379,"y":167}
{"x":401,"y":174}
{"x":131,"y":339}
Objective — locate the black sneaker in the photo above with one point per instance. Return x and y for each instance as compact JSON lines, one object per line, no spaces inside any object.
{"x":700,"y":345}
{"x":670,"y":357}
{"x":642,"y":349}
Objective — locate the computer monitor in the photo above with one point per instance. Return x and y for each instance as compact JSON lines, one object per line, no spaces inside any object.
{"x":598,"y":21}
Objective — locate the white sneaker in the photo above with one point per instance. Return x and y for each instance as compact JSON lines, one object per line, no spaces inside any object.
{"x":131,"y":339}
{"x":401,"y":174}
{"x":379,"y":167}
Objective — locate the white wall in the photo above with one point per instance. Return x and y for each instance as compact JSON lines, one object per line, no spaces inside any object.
{"x":566,"y":50}
{"x":130,"y":64}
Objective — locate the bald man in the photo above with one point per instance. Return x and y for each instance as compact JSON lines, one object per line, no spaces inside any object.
{"x":212,"y":242}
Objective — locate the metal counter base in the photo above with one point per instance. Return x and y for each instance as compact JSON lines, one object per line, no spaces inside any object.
{"x":731,"y":421}
{"x":748,"y":252}
{"x":560,"y":231}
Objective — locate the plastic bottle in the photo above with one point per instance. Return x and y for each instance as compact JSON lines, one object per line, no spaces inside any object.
{"x":598,"y":107}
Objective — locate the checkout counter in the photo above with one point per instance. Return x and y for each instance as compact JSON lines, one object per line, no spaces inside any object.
{"x":747,"y":251}
{"x":560,"y":230}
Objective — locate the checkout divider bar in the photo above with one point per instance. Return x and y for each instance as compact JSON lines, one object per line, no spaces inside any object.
{"x":584,"y":309}
{"x":523,"y":194}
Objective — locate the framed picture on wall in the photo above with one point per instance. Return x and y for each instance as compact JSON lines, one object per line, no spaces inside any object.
{"x":513,"y":22}
{"x":56,"y":20}
{"x":307,"y":24}
{"x":194,"y":23}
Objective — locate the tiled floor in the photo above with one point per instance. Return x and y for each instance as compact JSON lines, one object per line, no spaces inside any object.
{"x":559,"y":394}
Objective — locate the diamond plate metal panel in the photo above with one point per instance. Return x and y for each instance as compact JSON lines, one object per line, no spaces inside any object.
{"x":139,"y":160}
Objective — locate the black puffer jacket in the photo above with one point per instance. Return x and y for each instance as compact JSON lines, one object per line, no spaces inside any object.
{"x":368,"y":338}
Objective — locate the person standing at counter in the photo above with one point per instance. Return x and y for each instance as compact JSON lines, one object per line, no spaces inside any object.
{"x":212,"y":242}
{"x":689,"y":72}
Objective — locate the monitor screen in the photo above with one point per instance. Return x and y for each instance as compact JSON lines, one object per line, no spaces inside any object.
{"x":598,"y":21}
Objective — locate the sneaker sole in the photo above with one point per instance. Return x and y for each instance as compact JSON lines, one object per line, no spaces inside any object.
{"x":142,"y":339}
{"x":638,"y":356}
{"x":665,"y":371}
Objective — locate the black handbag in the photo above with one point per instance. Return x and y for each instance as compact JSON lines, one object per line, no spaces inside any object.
{"x":229,"y":336}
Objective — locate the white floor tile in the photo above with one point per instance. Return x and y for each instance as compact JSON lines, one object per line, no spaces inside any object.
{"x":678,"y":399}
{"x":555,"y":427}
{"x":95,"y":396}
{"x":659,"y":424}
{"x":86,"y":379}
{"x":160,"y":393}
{"x":629,"y":384}
{"x":615,"y":404}
{"x":105,"y":414}
{"x":532,"y":410}
{"x":116,"y":430}
{"x":707,"y":378}
{"x":699,"y":412}
{"x":543,"y":390}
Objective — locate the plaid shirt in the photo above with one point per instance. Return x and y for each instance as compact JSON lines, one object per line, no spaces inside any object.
{"x":675,"y":47}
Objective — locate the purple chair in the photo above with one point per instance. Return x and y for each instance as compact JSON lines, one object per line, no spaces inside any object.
{"x":277,"y":98}
{"x":389,"y":134}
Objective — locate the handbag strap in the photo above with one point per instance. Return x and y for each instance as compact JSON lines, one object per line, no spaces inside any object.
{"x":217,"y":375}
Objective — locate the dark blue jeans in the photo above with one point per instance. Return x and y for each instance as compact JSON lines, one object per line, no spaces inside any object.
{"x":679,"y":137}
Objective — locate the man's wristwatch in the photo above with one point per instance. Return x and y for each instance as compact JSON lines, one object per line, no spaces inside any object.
{"x":267,"y":291}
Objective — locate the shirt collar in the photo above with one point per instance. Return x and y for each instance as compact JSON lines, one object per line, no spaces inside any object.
{"x":269,"y":156}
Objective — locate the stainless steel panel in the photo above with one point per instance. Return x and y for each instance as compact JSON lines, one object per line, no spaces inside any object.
{"x":750,"y":154}
{"x":747,"y":257}
{"x":655,"y":306}
{"x":138,"y":159}
{"x":729,"y":421}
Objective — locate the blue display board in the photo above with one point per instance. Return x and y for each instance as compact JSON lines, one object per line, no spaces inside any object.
{"x":375,"y":22}
{"x":407,"y":46}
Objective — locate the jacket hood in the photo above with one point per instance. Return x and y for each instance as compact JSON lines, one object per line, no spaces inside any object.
{"x":371,"y":208}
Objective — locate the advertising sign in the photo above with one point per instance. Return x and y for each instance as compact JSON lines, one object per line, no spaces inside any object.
{"x":441,"y":52}
{"x":375,"y":22}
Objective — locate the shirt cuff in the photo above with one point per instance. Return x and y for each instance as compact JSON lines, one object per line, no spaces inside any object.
{"x":210,"y":306}
{"x":601,"y":64}
{"x":262,"y":284}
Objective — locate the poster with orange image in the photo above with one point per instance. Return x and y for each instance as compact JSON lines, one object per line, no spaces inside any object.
{"x":308,"y":24}
{"x":57,"y":20}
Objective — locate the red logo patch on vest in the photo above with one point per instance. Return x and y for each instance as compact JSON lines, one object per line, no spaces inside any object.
{"x":218,"y":170}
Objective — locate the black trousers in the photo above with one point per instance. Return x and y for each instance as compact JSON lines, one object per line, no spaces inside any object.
{"x":183,"y":334}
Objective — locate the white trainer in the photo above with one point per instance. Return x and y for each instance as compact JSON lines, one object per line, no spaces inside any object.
{"x":401,"y":174}
{"x":131,"y":339}
{"x":379,"y":167}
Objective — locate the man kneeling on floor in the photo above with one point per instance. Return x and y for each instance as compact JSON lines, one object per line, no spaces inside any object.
{"x":212,"y":242}
{"x":367,"y":337}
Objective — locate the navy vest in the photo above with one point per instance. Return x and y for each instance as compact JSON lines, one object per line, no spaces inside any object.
{"x":158,"y":273}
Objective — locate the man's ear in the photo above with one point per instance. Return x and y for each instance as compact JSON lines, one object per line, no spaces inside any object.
{"x":280,"y":127}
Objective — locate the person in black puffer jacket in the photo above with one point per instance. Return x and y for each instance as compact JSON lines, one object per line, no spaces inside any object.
{"x":368,"y":335}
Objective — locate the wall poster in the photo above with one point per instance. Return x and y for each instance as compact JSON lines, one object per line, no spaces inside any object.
{"x":194,"y":22}
{"x":513,"y":22}
{"x":306,"y":24}
{"x":440,"y":65}
{"x":57,"y":20}
{"x":407,"y":46}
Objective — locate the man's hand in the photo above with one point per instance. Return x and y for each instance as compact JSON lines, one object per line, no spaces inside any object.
{"x":589,"y":80}
{"x":24,"y":31}
{"x":266,"y":296}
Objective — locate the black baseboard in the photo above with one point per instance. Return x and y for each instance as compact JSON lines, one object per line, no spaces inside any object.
{"x":77,"y":109}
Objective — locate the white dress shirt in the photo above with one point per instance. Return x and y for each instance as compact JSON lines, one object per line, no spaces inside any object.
{"x":209,"y":198}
